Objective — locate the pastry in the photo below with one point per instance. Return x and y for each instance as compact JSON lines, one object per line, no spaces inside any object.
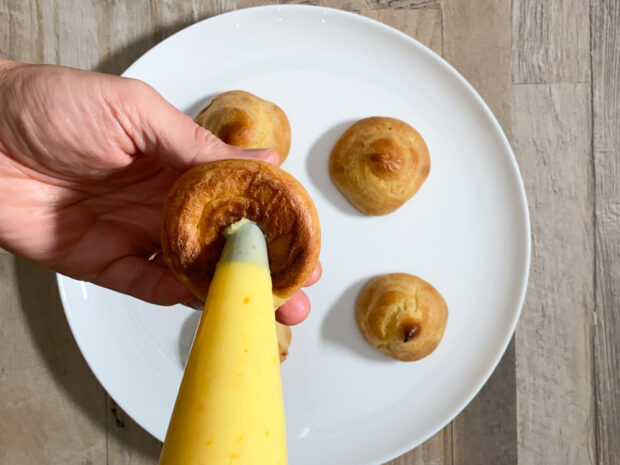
{"x":208,"y":198}
{"x":402,"y":316}
{"x":245,"y":120}
{"x":379,"y":163}
{"x":284,"y":340}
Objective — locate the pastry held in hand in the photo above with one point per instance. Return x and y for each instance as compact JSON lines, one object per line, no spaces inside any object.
{"x":379,"y":163}
{"x":245,"y":120}
{"x":209,"y":198}
{"x":285,"y":336}
{"x":402,"y":316}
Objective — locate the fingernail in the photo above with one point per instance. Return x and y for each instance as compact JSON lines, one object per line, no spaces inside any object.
{"x":268,"y":155}
{"x":273,"y":158}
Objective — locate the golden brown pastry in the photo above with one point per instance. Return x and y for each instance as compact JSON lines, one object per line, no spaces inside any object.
{"x":379,"y":163}
{"x":401,"y":315}
{"x":245,"y":120}
{"x":208,"y":198}
{"x":284,"y":340}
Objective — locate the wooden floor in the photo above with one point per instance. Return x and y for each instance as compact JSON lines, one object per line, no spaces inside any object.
{"x":550,"y":71}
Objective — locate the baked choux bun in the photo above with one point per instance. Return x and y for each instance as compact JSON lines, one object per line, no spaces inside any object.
{"x":245,"y":120}
{"x":401,"y":315}
{"x":379,"y":163}
{"x":284,"y":340}
{"x":208,"y":198}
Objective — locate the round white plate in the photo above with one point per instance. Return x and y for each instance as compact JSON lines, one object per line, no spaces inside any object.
{"x":466,"y":231}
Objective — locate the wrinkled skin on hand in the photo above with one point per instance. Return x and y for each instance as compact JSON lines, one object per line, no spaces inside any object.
{"x":86,"y":161}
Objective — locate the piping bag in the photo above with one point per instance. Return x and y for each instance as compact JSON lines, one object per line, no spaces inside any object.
{"x":229,"y":409}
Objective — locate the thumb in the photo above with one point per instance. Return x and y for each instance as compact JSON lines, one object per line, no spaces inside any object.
{"x":180,"y":143}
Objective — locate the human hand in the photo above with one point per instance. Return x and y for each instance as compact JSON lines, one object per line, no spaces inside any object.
{"x":86,"y":161}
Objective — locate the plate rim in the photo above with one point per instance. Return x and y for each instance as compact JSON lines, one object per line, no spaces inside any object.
{"x":527,"y":233}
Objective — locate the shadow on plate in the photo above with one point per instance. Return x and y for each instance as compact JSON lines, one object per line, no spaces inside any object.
{"x":51,"y":335}
{"x":117,"y":61}
{"x":199,"y":105}
{"x":186,"y":336}
{"x":339,"y":326}
{"x":317,"y":164}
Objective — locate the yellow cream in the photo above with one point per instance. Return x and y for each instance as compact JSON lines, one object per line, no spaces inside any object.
{"x":233,"y":228}
{"x":229,"y":409}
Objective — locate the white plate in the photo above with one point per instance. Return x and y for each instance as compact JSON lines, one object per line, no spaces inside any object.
{"x":466,"y":231}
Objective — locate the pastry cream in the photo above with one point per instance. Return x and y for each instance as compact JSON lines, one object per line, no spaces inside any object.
{"x":229,"y":409}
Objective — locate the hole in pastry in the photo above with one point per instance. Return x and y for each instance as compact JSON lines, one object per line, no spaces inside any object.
{"x":410,"y":331}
